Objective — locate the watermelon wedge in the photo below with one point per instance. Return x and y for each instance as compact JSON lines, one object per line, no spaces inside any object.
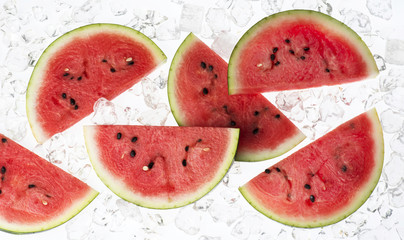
{"x":34,"y":194}
{"x":298,"y":49}
{"x":198,"y":95}
{"x":325,"y":181}
{"x":98,"y":60}
{"x":160,"y":167}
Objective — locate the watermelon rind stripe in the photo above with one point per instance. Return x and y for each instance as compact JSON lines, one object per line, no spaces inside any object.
{"x":123,"y":191}
{"x":359,"y":199}
{"x":35,"y":82}
{"x":77,"y":206}
{"x":329,"y":24}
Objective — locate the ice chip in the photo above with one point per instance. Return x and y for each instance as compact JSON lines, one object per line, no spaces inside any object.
{"x":241,"y":12}
{"x":271,"y":6}
{"x":191,"y":18}
{"x":395,"y":51}
{"x":391,"y":121}
{"x":381,"y":64}
{"x":297,"y":113}
{"x":224,"y":44}
{"x":188,"y":220}
{"x":380,"y":8}
{"x":286,"y":101}
{"x":218,"y":20}
{"x":168,"y":30}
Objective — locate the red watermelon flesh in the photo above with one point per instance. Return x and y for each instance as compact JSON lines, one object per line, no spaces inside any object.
{"x":198,"y":94}
{"x":99,"y":60}
{"x":298,"y":49}
{"x":160,"y":167}
{"x":325,"y":181}
{"x":34,"y":194}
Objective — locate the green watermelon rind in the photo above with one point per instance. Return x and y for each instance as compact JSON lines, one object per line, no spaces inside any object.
{"x":72,"y":211}
{"x":122,"y":191}
{"x":34,"y":84}
{"x":329,"y":23}
{"x":246,"y":156}
{"x":355,"y":205}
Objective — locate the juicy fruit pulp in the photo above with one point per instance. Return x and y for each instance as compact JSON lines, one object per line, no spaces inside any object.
{"x":198,"y":95}
{"x":298,"y":49}
{"x":99,"y":60}
{"x":34,"y":194}
{"x":160,"y":167}
{"x":325,"y":181}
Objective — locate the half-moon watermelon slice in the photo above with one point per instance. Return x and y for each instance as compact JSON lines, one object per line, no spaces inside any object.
{"x":298,"y":49}
{"x":325,"y":181}
{"x":35,"y":195}
{"x":160,"y":167}
{"x":98,"y":60}
{"x":198,"y":95}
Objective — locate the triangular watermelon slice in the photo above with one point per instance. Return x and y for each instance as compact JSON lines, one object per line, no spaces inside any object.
{"x":98,"y":60}
{"x":35,"y":195}
{"x":298,"y":49}
{"x":325,"y":181}
{"x":160,"y":167}
{"x":198,"y":95}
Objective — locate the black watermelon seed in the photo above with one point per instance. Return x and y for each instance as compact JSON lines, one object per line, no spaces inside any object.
{"x":118,"y":135}
{"x":327,"y":70}
{"x":275,"y":50}
{"x":132,"y":153}
{"x":215,"y":75}
{"x":64,"y":95}
{"x":199,"y":140}
{"x":344,"y":168}
{"x":76,"y":107}
{"x":151,"y":164}
{"x":0,"y":191}
{"x":256,"y":113}
{"x":131,"y":63}
{"x":184,"y":162}
{"x":134,"y":139}
{"x":352,"y":125}
{"x":3,"y":170}
{"x":72,"y":101}
{"x":104,"y":60}
{"x":306,"y":49}
{"x":232,"y":123}
{"x":205,"y":91}
{"x":79,"y":78}
{"x":4,"y":140}
{"x":203,"y":65}
{"x":255,"y":131}
{"x":307,"y":186}
{"x":302,"y":57}
{"x":72,"y":78}
{"x":48,"y":196}
{"x":291,"y":51}
{"x":287,"y":40}
{"x":312,"y":198}
{"x":186,"y":148}
{"x":31,"y":186}
{"x":272,"y":57}
{"x":2,"y":178}
{"x":112,"y":70}
{"x":277,"y":116}
{"x":277,"y":169}
{"x":267,"y":171}
{"x":277,"y":63}
{"x":210,"y":68}
{"x":65,"y":74}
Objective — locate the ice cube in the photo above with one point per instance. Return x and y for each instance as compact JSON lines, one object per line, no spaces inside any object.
{"x":156,"y":117}
{"x":305,"y":4}
{"x":395,"y":51}
{"x":204,"y":237}
{"x":297,"y":113}
{"x":391,"y":121}
{"x":249,"y":227}
{"x":286,"y":101}
{"x":312,"y":114}
{"x":396,"y":195}
{"x":344,"y":229}
{"x":150,"y":94}
{"x":87,"y":11}
{"x":78,"y":228}
{"x":224,"y":3}
{"x":117,"y":8}
{"x":271,"y":6}
{"x":104,"y":112}
{"x":17,"y":59}
{"x":394,"y":79}
{"x":230,"y":196}
{"x":224,"y":44}
{"x":395,"y":99}
{"x":380,"y":8}
{"x":39,"y":13}
{"x":129,"y":210}
{"x":381,"y":64}
{"x":356,"y":20}
{"x":203,"y":204}
{"x":393,"y":170}
{"x":188,"y":220}
{"x":168,"y":30}
{"x":225,"y":213}
{"x":241,"y":12}
{"x":191,"y":18}
{"x":218,"y":20}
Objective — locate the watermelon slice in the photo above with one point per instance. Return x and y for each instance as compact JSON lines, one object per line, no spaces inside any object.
{"x":325,"y":181}
{"x":298,"y":49}
{"x":198,"y":95}
{"x":34,"y":194}
{"x":160,"y":167}
{"x":98,"y":60}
